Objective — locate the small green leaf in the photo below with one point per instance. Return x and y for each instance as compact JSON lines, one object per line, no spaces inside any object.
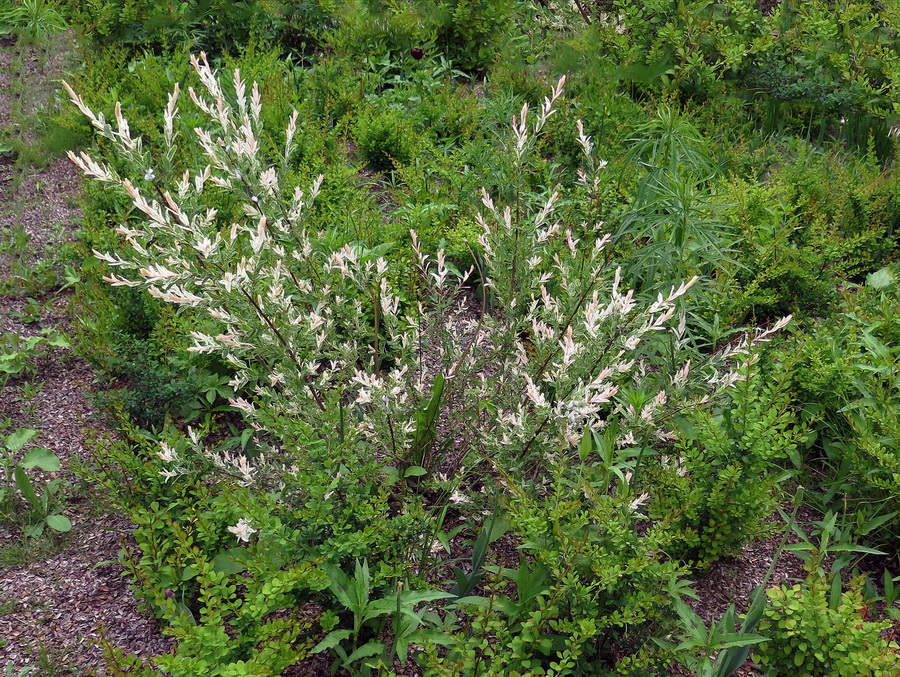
{"x":17,"y":440}
{"x":474,"y":599}
{"x":59,"y":523}
{"x":226,"y":563}
{"x":402,"y":647}
{"x":332,"y":639}
{"x":59,"y":341}
{"x":27,"y":488}
{"x":881,"y":279}
{"x":415,"y":471}
{"x":372,"y":648}
{"x":41,"y":458}
{"x":185,"y":613}
{"x":849,"y":547}
{"x":586,"y":445}
{"x":874,"y":523}
{"x":34,"y":530}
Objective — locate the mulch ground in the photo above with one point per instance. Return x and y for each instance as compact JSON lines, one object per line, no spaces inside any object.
{"x":57,"y":598}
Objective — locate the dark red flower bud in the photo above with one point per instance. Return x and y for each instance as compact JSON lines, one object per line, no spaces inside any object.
{"x":416,"y":53}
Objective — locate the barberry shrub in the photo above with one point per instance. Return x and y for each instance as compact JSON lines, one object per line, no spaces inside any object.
{"x":812,"y":638}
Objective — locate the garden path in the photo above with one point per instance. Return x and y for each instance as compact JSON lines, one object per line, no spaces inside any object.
{"x":59,"y":595}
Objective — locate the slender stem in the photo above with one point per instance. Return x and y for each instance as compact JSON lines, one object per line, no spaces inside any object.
{"x":468,"y":348}
{"x":589,"y":373}
{"x":552,"y":353}
{"x":376,"y":303}
{"x":512,"y":275}
{"x":583,"y":11}
{"x":393,"y":438}
{"x":265,"y":318}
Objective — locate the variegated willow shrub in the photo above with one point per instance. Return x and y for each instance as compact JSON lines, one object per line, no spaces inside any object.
{"x":540,"y":408}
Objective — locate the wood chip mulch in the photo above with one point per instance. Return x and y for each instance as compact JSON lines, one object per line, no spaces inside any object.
{"x":65,"y":604}
{"x":731,"y":580}
{"x":57,"y":598}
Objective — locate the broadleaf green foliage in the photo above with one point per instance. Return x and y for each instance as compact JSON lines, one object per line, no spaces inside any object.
{"x":843,"y":371}
{"x":706,"y":642}
{"x":42,"y":499}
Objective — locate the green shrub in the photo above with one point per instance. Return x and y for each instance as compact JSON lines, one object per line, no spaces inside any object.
{"x":866,"y":456}
{"x":234,"y":595}
{"x":471,"y":32}
{"x":371,"y":423}
{"x":810,"y":637}
{"x":434,"y":196}
{"x":141,"y":83}
{"x":379,"y":31}
{"x":448,"y":113}
{"x":720,"y":484}
{"x":385,"y":138}
{"x":588,"y":589}
{"x":337,"y":88}
{"x":218,"y":26}
{"x":842,"y":371}
{"x":687,"y":44}
{"x":155,"y":384}
{"x":813,"y":68}
{"x":816,"y":220}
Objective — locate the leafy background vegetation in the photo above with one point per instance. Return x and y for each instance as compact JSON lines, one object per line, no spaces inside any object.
{"x":296,"y":495}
